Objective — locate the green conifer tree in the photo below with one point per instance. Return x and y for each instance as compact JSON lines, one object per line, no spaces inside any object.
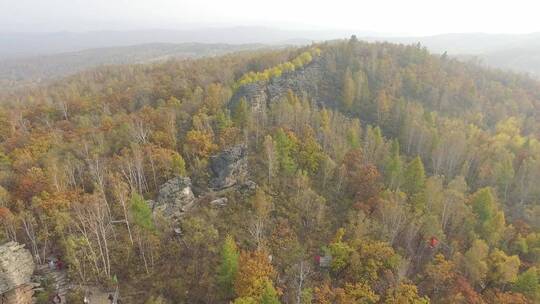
{"x":415,"y":177}
{"x":491,"y":223}
{"x":141,"y":213}
{"x":228,"y":267}
{"x":241,"y":113}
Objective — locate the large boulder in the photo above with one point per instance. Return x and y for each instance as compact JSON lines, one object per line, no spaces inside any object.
{"x":229,"y":167}
{"x":175,"y":197}
{"x":16,"y":269}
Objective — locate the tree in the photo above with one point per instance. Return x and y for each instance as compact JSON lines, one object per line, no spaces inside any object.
{"x":179,"y":165}
{"x":340,"y":252}
{"x":144,"y":226}
{"x":362,"y":180}
{"x":228,"y":268}
{"x":245,"y":300}
{"x":491,"y":224}
{"x":310,"y":154}
{"x":286,"y":146}
{"x":269,"y":294}
{"x":353,"y":134}
{"x":360,"y":293}
{"x":373,"y":148}
{"x":91,"y":243}
{"x":270,"y":153}
{"x":414,"y":178}
{"x":464,"y":292}
{"x":528,"y":283}
{"x":505,"y":173}
{"x":371,"y":260}
{"x":503,"y":268}
{"x":121,"y":192}
{"x":363,"y":94}
{"x":405,"y":293}
{"x":383,"y":106}
{"x":475,"y":262}
{"x":253,"y":273}
{"x":223,"y":121}
{"x":302,"y":272}
{"x":501,"y":297}
{"x":141,"y":212}
{"x":199,"y":144}
{"x":241,"y":113}
{"x":350,"y":294}
{"x":348,"y":91}
{"x":262,"y":205}
{"x":394,"y":167}
{"x":439,"y":277}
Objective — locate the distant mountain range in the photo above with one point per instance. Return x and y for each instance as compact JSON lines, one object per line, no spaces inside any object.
{"x":32,"y":44}
{"x":31,"y":57}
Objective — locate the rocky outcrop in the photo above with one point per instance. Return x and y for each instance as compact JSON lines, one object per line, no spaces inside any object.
{"x":305,"y":81}
{"x":16,"y":269}
{"x":175,"y":197}
{"x":229,"y":167}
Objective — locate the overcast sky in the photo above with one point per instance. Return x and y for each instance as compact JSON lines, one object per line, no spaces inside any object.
{"x":407,"y":17}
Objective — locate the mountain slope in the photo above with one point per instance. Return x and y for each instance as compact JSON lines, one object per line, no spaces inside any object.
{"x":343,"y":172}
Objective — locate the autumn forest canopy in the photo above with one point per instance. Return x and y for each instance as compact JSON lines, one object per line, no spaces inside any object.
{"x":341,"y":172}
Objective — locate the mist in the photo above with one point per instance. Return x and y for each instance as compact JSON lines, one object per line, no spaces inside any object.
{"x":411,"y":18}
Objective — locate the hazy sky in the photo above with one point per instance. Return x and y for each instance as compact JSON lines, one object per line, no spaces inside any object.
{"x":416,"y":17}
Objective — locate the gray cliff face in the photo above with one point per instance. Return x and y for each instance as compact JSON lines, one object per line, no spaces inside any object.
{"x":175,"y":197}
{"x":16,"y":266}
{"x":305,"y":81}
{"x":16,"y":269}
{"x":229,"y":167}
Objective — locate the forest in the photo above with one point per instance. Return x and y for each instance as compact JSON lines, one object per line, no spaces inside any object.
{"x":378,"y":173}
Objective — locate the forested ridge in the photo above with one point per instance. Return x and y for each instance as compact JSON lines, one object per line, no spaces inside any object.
{"x":382,"y":174}
{"x":40,"y":70}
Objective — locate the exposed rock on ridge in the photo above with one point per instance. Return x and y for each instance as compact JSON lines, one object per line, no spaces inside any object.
{"x":229,"y":167}
{"x":175,"y":197}
{"x":16,"y":268}
{"x":303,"y":82}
